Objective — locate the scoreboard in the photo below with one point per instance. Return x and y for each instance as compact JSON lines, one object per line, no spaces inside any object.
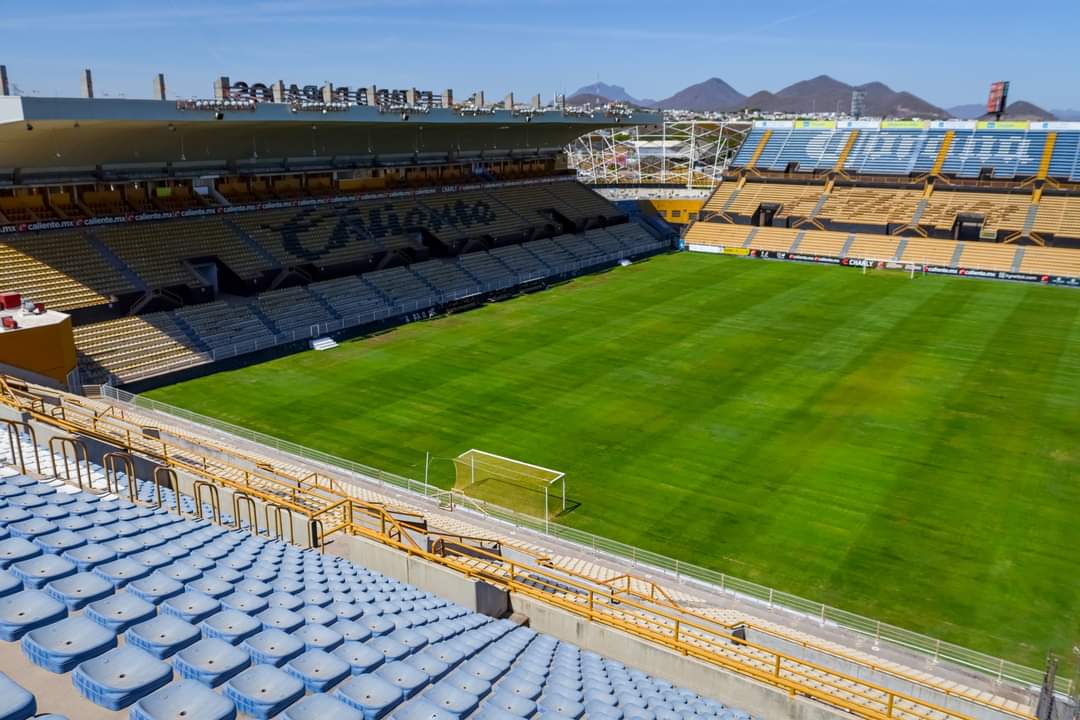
{"x":999,"y":93}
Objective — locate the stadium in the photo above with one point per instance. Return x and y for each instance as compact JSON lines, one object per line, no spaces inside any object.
{"x":363,"y":402}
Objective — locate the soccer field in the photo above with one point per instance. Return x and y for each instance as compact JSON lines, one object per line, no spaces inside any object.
{"x":905,"y":449}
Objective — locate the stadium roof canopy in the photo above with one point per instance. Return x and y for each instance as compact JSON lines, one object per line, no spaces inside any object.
{"x":43,"y":139}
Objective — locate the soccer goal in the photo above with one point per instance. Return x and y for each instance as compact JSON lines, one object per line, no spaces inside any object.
{"x":872,"y":265}
{"x":510,"y":483}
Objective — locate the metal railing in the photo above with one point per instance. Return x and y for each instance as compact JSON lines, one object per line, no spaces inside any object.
{"x":933,"y":649}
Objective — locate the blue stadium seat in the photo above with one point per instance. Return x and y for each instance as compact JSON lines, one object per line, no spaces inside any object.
{"x":319,"y":637}
{"x":153,"y":559}
{"x":273,"y":647}
{"x":162,"y":636}
{"x":60,"y":541}
{"x":232,"y":626}
{"x":49,"y":512}
{"x":37,"y":572}
{"x":452,"y":699}
{"x":61,"y":646}
{"x":284,"y":601}
{"x":318,"y":670}
{"x":253,"y":586}
{"x":15,"y":549}
{"x":244,"y":602}
{"x":263,"y":691}
{"x":120,"y":677}
{"x":181,"y":571}
{"x":559,"y":704}
{"x":155,"y":588}
{"x":122,"y":571}
{"x":321,"y":707}
{"x":210,"y":586}
{"x":211,"y":662}
{"x":184,"y":699}
{"x":78,"y":590}
{"x":191,"y":607}
{"x":361,"y":658}
{"x":426,"y":662}
{"x":120,"y":611}
{"x":315,"y":615}
{"x":280,"y":619}
{"x":87,"y":557}
{"x":225,"y":574}
{"x":125,"y":547}
{"x":521,"y":687}
{"x":16,"y":703}
{"x":369,"y":694}
{"x":9,"y":584}
{"x":27,"y":610}
{"x":406,"y":677}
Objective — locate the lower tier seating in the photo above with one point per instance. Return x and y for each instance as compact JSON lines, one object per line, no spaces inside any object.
{"x":970,"y":254}
{"x":131,"y":348}
{"x":144,"y":611}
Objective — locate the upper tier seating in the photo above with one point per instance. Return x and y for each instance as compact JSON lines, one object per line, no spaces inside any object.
{"x":285,"y":632}
{"x":895,"y":151}
{"x":65,"y":270}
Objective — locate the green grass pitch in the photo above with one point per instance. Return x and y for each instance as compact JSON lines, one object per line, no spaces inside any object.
{"x":906,"y":449}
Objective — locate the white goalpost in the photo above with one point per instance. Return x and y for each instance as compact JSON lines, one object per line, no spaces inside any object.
{"x":870,"y":265}
{"x":514,"y":484}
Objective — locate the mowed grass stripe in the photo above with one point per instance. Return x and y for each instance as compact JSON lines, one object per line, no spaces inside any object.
{"x":900,"y":448}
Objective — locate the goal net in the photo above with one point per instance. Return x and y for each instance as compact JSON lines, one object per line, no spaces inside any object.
{"x":872,"y":265}
{"x":510,"y":483}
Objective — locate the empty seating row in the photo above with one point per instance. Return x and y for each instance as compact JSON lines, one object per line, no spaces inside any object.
{"x":78,"y":268}
{"x":904,"y":151}
{"x":59,"y":269}
{"x":998,"y":211}
{"x":1058,"y":215}
{"x":159,"y":252}
{"x":135,"y":347}
{"x":133,"y":607}
{"x":924,"y":251}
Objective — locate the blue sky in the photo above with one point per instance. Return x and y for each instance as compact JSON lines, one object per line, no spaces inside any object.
{"x":947,"y":52}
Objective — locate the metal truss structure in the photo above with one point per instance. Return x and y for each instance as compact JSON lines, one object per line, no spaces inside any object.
{"x":687,"y":153}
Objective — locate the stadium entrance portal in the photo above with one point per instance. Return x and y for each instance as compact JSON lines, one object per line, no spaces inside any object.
{"x":968,"y":227}
{"x":763,"y":216}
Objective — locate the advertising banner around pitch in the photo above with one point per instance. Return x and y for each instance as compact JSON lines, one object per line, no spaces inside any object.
{"x":1057,"y":280}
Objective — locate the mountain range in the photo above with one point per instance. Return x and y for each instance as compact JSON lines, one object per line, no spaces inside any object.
{"x":1020,"y":110}
{"x":819,"y":94}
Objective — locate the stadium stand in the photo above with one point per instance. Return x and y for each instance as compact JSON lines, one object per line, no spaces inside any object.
{"x":78,"y":268}
{"x":959,"y":195}
{"x":373,"y":647}
{"x":131,"y":348}
{"x":969,"y":150}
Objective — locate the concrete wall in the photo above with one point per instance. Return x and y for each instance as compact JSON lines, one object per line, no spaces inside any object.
{"x":878,"y":678}
{"x":470,"y":593}
{"x":731,"y":689}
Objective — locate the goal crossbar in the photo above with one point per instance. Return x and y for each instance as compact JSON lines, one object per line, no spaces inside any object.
{"x":485,"y":466}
